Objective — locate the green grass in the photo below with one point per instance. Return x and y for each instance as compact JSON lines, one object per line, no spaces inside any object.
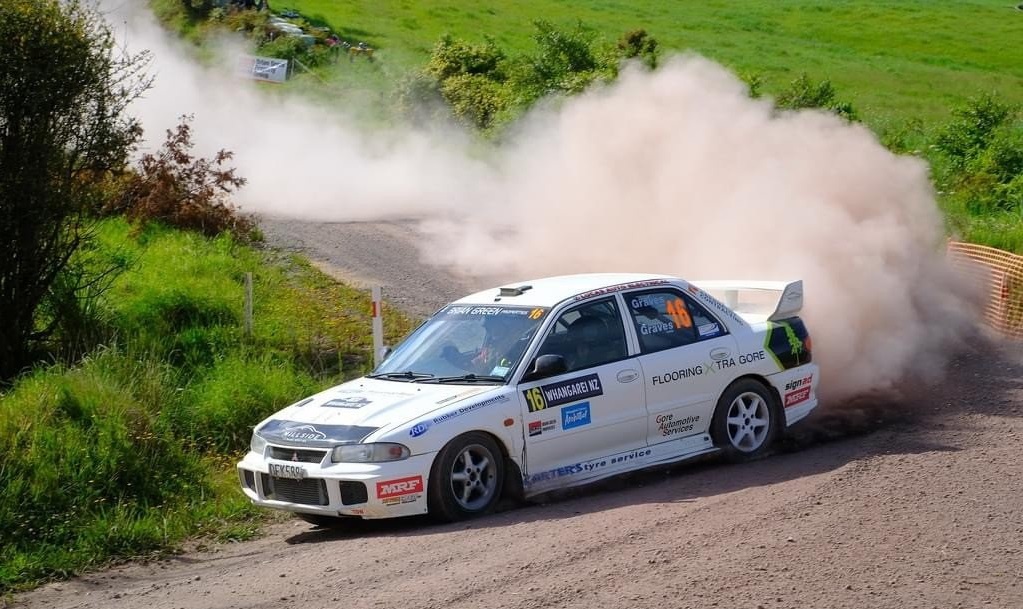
{"x":132,"y":449}
{"x":900,"y":59}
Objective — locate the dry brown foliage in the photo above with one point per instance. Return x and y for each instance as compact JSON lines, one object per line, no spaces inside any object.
{"x":177,"y":188}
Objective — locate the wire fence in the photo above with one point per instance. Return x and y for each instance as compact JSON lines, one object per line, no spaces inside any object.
{"x":1000,"y":275}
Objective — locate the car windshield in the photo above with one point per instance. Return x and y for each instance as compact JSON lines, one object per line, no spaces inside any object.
{"x":464,"y":344}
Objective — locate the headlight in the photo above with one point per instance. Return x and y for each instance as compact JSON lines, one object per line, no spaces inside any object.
{"x":369,"y":453}
{"x":257,"y":444}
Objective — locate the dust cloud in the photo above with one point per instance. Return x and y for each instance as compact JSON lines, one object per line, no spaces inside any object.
{"x":675,"y":171}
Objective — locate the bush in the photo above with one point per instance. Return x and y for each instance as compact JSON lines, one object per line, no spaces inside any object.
{"x":451,"y":57}
{"x":252,"y":22}
{"x":983,"y":148}
{"x":565,"y":62}
{"x":418,"y":98}
{"x":802,"y":93}
{"x":483,"y":87}
{"x":181,"y":190}
{"x":286,"y":47}
{"x":638,"y":44}
{"x":972,"y":129}
{"x":475,"y":99}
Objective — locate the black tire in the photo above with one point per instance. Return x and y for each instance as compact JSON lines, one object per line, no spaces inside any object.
{"x":321,"y":520}
{"x":746,"y":421}
{"x":467,"y":478}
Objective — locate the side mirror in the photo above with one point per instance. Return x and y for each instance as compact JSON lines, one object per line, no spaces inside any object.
{"x":545,"y":366}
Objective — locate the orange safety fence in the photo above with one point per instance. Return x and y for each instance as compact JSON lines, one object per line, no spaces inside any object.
{"x":1000,"y":275}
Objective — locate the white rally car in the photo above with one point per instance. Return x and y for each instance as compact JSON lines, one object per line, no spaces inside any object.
{"x":545,"y":384}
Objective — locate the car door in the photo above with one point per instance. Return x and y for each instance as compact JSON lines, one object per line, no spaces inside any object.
{"x":594,"y":409}
{"x":687,"y":357}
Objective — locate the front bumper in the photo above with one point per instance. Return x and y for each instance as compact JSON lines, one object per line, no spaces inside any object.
{"x":362,"y":490}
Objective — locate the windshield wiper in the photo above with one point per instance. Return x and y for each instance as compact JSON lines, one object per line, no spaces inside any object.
{"x":467,"y":378}
{"x":408,"y":375}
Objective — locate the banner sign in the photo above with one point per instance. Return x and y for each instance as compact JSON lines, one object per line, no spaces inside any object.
{"x":269,"y":69}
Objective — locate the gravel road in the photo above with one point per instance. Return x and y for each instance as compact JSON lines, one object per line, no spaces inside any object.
{"x":914,"y":502}
{"x":387,"y":254}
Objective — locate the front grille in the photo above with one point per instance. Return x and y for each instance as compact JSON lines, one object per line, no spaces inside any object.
{"x":310,"y":491}
{"x":353,"y":493}
{"x":297,"y":454}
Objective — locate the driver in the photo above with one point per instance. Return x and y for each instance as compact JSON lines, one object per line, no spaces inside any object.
{"x":499,"y":348}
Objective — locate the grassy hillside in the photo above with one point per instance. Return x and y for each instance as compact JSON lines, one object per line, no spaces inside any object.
{"x":133,"y":448}
{"x":895,"y":59}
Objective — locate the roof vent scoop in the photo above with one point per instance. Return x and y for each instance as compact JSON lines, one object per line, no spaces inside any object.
{"x":519,"y":291}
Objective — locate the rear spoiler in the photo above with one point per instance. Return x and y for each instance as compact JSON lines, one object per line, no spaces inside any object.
{"x":782,"y":299}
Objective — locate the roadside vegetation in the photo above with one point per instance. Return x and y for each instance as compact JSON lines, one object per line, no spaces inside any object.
{"x":132,"y":382}
{"x":132,"y":386}
{"x":131,"y":448}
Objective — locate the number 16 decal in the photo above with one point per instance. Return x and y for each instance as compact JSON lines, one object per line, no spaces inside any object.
{"x":679,"y":313}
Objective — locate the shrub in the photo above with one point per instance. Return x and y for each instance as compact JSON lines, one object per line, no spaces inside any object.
{"x":286,"y":47}
{"x":418,"y":98}
{"x":972,"y":128}
{"x":802,"y":93}
{"x":452,"y":57}
{"x":252,"y":22}
{"x":482,"y":86}
{"x":564,"y":62}
{"x":638,"y":44}
{"x":176,"y":188}
{"x":475,"y":99}
{"x":983,"y":148}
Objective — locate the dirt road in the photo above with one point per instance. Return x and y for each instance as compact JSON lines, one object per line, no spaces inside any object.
{"x":903,"y":503}
{"x":376,"y":253}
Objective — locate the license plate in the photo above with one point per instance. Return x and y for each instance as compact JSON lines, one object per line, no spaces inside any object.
{"x":286,"y":470}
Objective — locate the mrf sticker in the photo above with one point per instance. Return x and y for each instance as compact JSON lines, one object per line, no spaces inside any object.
{"x":563,"y":392}
{"x":400,"y":490}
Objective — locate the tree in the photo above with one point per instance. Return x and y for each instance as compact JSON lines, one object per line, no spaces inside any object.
{"x":64,"y":87}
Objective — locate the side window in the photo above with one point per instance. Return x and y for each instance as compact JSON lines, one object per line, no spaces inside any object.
{"x":667,"y":318}
{"x":588,"y":335}
{"x":707,"y":326}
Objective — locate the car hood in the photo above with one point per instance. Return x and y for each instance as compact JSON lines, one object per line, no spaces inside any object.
{"x":350,"y":412}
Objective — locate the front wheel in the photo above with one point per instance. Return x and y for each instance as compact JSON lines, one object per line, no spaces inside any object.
{"x":745,"y":421}
{"x":466,"y":478}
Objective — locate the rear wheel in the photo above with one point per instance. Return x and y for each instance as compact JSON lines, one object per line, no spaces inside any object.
{"x":466,"y":478}
{"x":745,"y":421}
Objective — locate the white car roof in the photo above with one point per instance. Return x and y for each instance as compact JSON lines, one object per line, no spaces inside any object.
{"x":549,"y":291}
